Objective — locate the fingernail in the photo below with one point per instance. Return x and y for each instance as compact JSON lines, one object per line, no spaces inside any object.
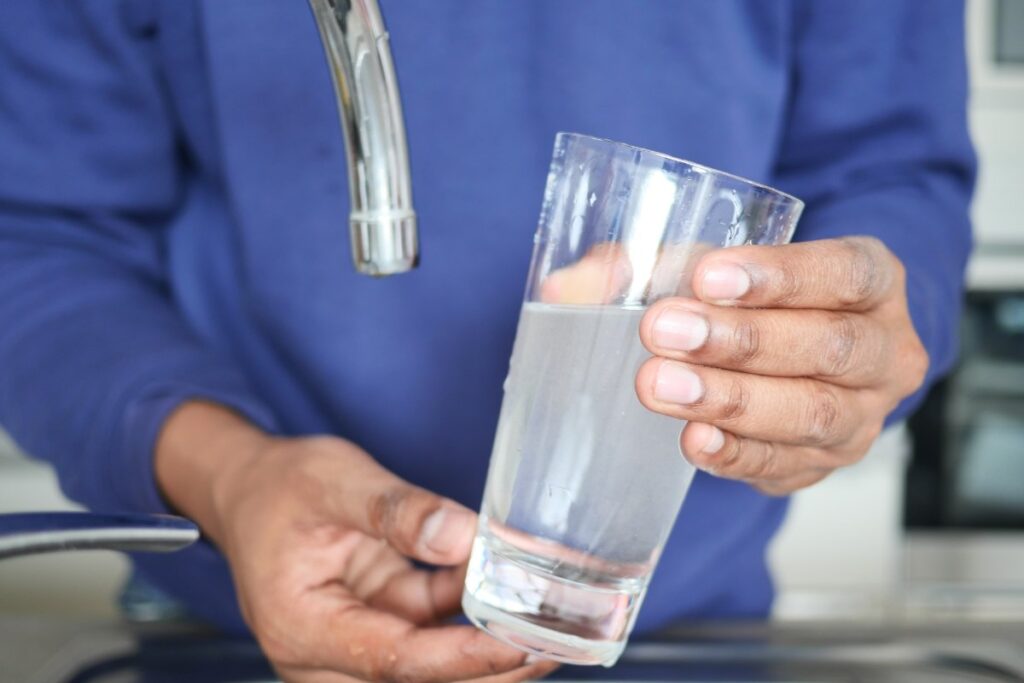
{"x":724,"y":282}
{"x":715,"y":441}
{"x":677,"y":384}
{"x":680,"y":330}
{"x":533,"y":659}
{"x":447,"y":529}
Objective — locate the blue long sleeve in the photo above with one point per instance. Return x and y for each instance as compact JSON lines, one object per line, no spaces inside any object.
{"x":92,"y":351}
{"x":877,"y":144}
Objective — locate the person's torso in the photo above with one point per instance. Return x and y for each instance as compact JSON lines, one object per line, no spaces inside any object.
{"x":411,"y":367}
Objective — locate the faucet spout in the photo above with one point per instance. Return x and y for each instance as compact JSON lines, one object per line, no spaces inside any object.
{"x":382,"y":222}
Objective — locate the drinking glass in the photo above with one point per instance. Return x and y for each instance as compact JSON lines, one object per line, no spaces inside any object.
{"x":584,"y":482}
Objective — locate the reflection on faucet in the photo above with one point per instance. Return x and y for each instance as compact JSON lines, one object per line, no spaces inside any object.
{"x":382,"y":221}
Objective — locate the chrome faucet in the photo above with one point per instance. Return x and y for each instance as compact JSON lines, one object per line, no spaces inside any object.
{"x":382,"y":222}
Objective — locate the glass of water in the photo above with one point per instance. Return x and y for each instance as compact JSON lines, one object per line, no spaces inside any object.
{"x":584,"y":482}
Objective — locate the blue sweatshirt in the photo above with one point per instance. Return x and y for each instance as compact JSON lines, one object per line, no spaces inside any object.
{"x":173,"y":221}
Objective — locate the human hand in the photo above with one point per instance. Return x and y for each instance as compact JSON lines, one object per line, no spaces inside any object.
{"x":787,"y":360}
{"x":318,"y":537}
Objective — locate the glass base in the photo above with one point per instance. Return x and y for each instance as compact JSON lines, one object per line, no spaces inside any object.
{"x":538,"y":640}
{"x":524,"y":600}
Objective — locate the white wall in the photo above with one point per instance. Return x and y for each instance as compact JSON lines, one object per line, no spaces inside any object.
{"x":997,"y":128}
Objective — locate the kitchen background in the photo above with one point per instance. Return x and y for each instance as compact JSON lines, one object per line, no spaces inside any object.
{"x":925,"y":532}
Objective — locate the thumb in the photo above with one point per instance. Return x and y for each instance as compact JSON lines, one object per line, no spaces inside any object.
{"x":415,"y":522}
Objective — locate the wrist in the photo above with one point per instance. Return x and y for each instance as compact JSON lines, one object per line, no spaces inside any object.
{"x":200,"y":454}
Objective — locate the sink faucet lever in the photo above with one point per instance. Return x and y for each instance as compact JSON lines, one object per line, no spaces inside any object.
{"x":40,"y":532}
{"x":382,"y":222}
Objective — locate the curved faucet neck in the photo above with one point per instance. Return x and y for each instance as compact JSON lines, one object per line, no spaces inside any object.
{"x":382,"y":221}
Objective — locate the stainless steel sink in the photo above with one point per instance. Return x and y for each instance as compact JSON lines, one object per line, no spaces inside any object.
{"x":63,"y":651}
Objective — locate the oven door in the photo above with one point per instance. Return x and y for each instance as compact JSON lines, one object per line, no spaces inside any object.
{"x":965,"y":484}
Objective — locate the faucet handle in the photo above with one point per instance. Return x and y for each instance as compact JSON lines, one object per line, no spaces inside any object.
{"x":40,"y":532}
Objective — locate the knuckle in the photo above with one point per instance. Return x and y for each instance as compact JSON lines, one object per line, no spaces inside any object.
{"x":732,"y":459}
{"x":842,"y":338}
{"x":745,"y":344}
{"x":765,"y":466}
{"x":382,"y":510}
{"x":396,"y":514}
{"x":787,"y":285}
{"x":916,"y":362}
{"x":822,"y":420}
{"x":734,"y":404}
{"x":868,"y":243}
{"x":864,"y":269}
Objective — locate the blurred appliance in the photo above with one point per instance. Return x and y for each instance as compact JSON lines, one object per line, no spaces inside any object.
{"x":968,"y":466}
{"x":964,"y":501}
{"x":965,"y":484}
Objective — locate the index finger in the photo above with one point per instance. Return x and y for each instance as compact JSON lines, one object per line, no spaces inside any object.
{"x":375,"y":646}
{"x":848,"y":273}
{"x":422,"y":596}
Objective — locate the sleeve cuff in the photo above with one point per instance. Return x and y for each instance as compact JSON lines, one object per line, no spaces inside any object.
{"x":135,"y":486}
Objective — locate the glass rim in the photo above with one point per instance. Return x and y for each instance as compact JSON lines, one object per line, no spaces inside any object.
{"x":692,"y":164}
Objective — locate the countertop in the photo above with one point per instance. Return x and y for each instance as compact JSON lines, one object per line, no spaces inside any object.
{"x":52,"y":650}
